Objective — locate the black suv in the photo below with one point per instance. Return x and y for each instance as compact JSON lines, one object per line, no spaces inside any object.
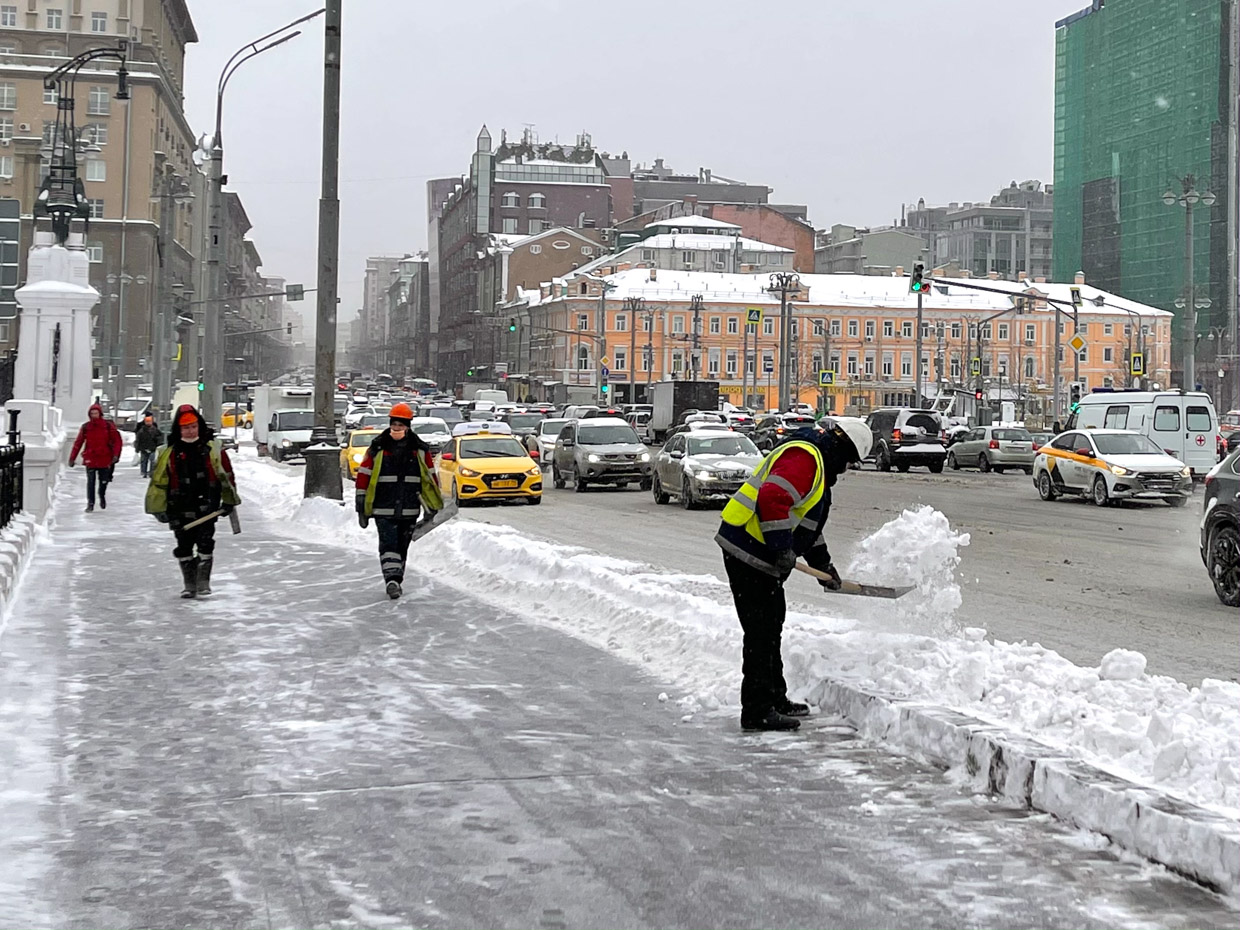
{"x":777,"y":428}
{"x":904,"y":437}
{"x":1220,"y":529}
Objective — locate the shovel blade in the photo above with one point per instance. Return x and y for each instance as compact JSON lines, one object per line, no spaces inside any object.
{"x":874,"y":590}
{"x":441,"y":517}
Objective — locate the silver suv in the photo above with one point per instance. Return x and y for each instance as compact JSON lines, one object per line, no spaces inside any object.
{"x":600,"y":450}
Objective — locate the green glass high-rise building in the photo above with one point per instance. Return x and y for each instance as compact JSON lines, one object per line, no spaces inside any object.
{"x":1144,"y":96}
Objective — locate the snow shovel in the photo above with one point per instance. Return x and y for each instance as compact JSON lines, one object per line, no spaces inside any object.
{"x":233,"y":519}
{"x":442,"y":516}
{"x":857,"y":587}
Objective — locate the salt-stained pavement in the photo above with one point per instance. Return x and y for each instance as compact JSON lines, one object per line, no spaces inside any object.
{"x":299,"y":751}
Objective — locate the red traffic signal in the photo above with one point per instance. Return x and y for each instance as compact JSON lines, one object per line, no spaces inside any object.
{"x":977,"y":395}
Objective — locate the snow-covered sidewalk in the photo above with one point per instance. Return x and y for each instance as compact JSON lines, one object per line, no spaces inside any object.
{"x":300,"y":751}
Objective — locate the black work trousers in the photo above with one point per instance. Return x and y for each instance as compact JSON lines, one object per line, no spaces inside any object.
{"x":394,"y":538}
{"x":101,"y":475}
{"x":761,"y":608}
{"x":202,"y":536}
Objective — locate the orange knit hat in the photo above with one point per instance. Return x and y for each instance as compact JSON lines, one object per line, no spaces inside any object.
{"x":187,"y":418}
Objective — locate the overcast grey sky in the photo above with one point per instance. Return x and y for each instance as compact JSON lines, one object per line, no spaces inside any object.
{"x":849,"y":107}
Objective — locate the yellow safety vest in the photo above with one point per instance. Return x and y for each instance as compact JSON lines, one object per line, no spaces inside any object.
{"x":742,"y":509}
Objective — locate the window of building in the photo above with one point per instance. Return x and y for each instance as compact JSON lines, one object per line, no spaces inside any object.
{"x":535,"y":227}
{"x":622,"y":323}
{"x":647,"y":255}
{"x":796,"y":331}
{"x":835,"y":327}
{"x":645,"y":362}
{"x":906,"y":365}
{"x":8,"y":95}
{"x":730,"y":367}
{"x":4,"y":332}
{"x":536,"y":249}
{"x":955,"y":330}
{"x":583,"y":321}
{"x":8,"y":48}
{"x":1107,"y":354}
{"x":819,"y":328}
{"x":1003,"y":332}
{"x":906,"y":329}
{"x":1107,"y":329}
{"x":538,"y":201}
{"x":889,"y":328}
{"x":768,"y":326}
{"x":956,"y":367}
{"x":94,"y":252}
{"x":1084,"y":356}
{"x":55,"y":18}
{"x":972,"y":330}
{"x":587,"y":250}
{"x":987,"y":331}
{"x":510,"y":199}
{"x":1031,"y":332}
{"x":51,"y":95}
{"x":678,"y":360}
{"x":98,"y":22}
{"x":712,"y":362}
{"x":852,"y":364}
{"x":888,"y":366}
{"x":583,"y":358}
{"x":98,"y":101}
{"x":678,"y":323}
{"x":8,"y":15}
{"x":716,"y":325}
{"x":96,"y":208}
{"x":869,"y":366}
{"x":647,"y":323}
{"x":853,"y":327}
{"x":869,"y":329}
{"x":620,"y":358}
{"x":6,"y":127}
{"x":1030,"y":366}
{"x":688,"y":257}
{"x":509,"y":224}
{"x":6,"y":166}
{"x":734,"y":325}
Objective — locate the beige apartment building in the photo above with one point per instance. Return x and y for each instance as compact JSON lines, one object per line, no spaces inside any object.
{"x":130,"y":147}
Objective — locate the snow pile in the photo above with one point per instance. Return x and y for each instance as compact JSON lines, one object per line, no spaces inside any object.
{"x":1150,"y":729}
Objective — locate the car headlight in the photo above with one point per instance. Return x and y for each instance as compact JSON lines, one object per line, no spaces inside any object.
{"x":1118,"y":470}
{"x":645,"y":456}
{"x":534,"y":472}
{"x":357,"y":457}
{"x":594,"y":458}
{"x":286,"y":443}
{"x":1186,"y":472}
{"x":467,"y":473}
{"x":705,"y":475}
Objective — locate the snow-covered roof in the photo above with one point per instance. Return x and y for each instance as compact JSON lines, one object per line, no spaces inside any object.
{"x":691,"y":241}
{"x":1114,"y":305}
{"x":692,"y":222}
{"x":508,"y":239}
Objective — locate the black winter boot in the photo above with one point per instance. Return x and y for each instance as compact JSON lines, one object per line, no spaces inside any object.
{"x":205,"y":562}
{"x":771,"y":720}
{"x":792,"y":708}
{"x":189,"y":574}
{"x":393,"y":589}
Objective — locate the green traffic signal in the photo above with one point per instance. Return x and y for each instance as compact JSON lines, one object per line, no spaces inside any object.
{"x":512,"y":324}
{"x":604,"y":388}
{"x":201,"y":386}
{"x":919,"y":286}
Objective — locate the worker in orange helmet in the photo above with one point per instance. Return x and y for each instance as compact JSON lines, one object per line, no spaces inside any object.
{"x":395,"y":480}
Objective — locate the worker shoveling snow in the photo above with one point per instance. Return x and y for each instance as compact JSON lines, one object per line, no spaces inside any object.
{"x":683,"y":628}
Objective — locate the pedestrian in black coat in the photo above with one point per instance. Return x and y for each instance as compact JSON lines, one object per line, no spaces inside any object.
{"x":147,"y":439}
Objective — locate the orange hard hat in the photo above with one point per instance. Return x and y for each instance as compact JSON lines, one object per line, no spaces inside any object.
{"x":401,"y":412}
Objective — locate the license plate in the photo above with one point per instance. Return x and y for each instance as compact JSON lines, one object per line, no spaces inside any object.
{"x":504,"y":484}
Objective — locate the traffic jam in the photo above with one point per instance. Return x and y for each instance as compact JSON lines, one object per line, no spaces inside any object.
{"x":690,"y":447}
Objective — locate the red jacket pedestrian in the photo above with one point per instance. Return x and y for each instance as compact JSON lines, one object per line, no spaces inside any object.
{"x":98,"y":440}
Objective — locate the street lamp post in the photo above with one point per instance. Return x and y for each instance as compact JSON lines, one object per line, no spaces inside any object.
{"x":212,"y":348}
{"x":633,"y":306}
{"x":782,"y":282}
{"x":173,"y":190}
{"x":1188,"y":301}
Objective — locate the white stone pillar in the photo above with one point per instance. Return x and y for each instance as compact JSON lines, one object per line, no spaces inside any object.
{"x":57,"y":293}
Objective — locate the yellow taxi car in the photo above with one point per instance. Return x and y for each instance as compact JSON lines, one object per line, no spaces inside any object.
{"x":228,"y":417}
{"x":484,"y":461}
{"x":354,"y":451}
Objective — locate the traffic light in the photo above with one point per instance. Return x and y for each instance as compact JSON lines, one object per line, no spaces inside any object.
{"x":918,"y":284}
{"x":1075,"y":389}
{"x":512,"y":324}
{"x":290,"y":329}
{"x":977,"y":395}
{"x":605,"y":387}
{"x":202,"y":385}
{"x":469,"y":372}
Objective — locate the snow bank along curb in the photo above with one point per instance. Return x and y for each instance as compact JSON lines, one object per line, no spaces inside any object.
{"x":16,"y":542}
{"x":1077,"y":742}
{"x":1184,"y":837}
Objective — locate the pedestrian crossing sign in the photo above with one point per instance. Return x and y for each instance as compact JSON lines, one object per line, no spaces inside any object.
{"x":753,"y":315}
{"x":826,"y":377}
{"x":976,"y":366}
{"x":1138,"y":363}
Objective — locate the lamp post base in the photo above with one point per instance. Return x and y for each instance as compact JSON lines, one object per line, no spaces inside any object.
{"x":323,"y":466}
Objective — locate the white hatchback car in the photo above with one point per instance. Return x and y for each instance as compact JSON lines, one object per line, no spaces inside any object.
{"x":1110,"y":465}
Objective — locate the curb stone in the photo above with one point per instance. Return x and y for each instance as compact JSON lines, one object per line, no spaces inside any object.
{"x":1184,"y":837}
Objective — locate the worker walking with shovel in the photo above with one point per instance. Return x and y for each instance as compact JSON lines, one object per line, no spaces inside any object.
{"x":776,"y":516}
{"x":191,"y":487}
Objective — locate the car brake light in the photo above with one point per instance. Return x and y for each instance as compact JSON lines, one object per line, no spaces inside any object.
{"x":994,"y":444}
{"x":1036,"y":447}
{"x":895,"y":435}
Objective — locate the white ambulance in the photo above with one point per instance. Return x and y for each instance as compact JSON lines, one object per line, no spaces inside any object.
{"x":1183,"y":423}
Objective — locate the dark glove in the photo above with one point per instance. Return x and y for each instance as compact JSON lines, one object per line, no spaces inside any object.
{"x":785,"y":561}
{"x":363,"y":521}
{"x":161,"y":517}
{"x":835,"y":583}
{"x":72,"y":462}
{"x":226,"y":509}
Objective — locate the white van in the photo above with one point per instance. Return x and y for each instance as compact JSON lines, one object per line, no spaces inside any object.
{"x":1183,"y":423}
